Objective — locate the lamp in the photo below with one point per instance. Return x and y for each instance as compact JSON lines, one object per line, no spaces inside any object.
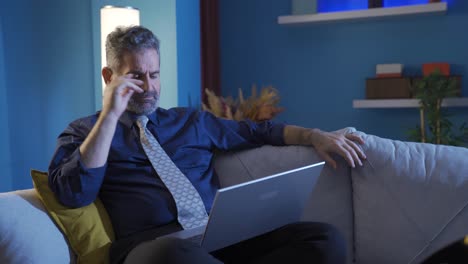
{"x":112,"y":17}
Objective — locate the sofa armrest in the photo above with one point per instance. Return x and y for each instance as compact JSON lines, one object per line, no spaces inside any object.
{"x":409,"y":200}
{"x":27,"y":233}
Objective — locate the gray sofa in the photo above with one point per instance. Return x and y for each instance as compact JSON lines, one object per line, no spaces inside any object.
{"x":407,"y":201}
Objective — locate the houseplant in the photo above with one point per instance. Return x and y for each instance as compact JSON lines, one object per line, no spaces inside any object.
{"x":435,"y":126}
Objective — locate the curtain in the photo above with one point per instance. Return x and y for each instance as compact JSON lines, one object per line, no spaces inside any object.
{"x":209,"y":37}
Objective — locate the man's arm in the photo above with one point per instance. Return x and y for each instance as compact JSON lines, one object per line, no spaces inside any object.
{"x":95,"y":149}
{"x":77,"y":168}
{"x":326,"y":143}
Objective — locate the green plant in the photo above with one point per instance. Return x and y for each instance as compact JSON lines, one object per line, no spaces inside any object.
{"x":435,"y":126}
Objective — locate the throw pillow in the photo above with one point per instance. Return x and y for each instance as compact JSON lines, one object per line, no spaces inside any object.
{"x":88,"y":229}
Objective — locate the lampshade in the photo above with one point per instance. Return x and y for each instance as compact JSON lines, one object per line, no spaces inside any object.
{"x":112,"y":17}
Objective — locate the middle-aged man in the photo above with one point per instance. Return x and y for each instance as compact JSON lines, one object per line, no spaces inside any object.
{"x":116,"y":154}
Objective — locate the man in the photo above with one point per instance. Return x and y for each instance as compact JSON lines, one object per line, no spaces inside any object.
{"x":101,"y":155}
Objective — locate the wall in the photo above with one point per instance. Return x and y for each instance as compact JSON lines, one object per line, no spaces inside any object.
{"x":188,"y":52}
{"x":48,"y":78}
{"x":5,"y":164}
{"x":320,"y":69}
{"x":50,"y":65}
{"x":160,"y":17}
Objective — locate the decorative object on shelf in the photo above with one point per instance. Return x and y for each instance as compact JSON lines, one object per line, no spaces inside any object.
{"x":435,"y":126}
{"x":375,"y":3}
{"x":304,"y":7}
{"x":388,"y":88}
{"x":389,"y":83}
{"x":256,"y":108}
{"x":389,"y":70}
{"x":442,"y":67}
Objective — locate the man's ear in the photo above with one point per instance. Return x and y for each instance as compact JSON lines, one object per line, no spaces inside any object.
{"x":106,"y":74}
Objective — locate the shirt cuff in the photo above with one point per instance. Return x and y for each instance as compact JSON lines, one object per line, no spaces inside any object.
{"x":84,"y":183}
{"x":277,"y":134}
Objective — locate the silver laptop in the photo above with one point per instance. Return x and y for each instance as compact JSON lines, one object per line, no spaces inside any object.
{"x":255,"y":207}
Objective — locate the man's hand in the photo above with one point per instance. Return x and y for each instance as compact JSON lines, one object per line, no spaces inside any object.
{"x":95,"y":149}
{"x":344,"y":145}
{"x":117,"y":94}
{"x":327,"y":143}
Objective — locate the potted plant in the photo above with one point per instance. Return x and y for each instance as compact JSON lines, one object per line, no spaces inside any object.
{"x":435,"y":126}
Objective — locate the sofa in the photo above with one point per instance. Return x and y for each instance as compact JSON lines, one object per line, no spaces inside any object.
{"x":406,"y":202}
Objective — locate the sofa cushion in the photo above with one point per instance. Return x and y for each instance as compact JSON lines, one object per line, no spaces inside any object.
{"x":88,"y":229}
{"x":412,"y":194}
{"x":27,"y":234}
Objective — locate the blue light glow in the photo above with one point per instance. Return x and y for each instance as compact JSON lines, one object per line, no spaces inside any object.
{"x":344,"y":5}
{"x":390,"y":3}
{"x":341,"y":5}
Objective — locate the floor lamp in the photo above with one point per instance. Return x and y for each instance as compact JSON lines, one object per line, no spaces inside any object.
{"x":112,"y":17}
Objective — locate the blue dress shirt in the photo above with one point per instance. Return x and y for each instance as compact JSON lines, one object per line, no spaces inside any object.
{"x":129,"y":187}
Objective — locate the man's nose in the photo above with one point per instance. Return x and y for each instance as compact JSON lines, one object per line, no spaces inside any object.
{"x":146,"y":85}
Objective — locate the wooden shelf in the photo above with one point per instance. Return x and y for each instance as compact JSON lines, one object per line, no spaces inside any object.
{"x":406,"y":103}
{"x":372,"y":13}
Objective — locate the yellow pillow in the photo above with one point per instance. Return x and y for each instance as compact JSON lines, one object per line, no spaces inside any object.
{"x":88,"y":229}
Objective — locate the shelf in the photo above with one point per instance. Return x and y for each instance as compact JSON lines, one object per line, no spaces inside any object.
{"x":431,"y":8}
{"x":406,"y":103}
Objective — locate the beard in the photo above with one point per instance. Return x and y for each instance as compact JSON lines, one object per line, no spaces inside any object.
{"x":144,"y":103}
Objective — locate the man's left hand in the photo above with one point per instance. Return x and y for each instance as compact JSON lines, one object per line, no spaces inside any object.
{"x":345,"y":145}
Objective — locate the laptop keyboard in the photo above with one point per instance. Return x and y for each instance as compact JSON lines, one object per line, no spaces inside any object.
{"x":195,"y":239}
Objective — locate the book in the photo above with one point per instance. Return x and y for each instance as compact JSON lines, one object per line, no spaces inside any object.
{"x":389,"y":70}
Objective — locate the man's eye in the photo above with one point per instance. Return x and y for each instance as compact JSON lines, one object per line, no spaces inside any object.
{"x":154,"y":76}
{"x":136,"y":76}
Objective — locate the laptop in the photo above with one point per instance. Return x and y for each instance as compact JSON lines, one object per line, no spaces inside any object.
{"x":252,"y":208}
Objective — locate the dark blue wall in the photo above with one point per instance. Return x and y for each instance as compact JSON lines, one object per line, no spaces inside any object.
{"x":48,"y":78}
{"x":188,"y":52}
{"x":5,"y":164}
{"x":320,"y":69}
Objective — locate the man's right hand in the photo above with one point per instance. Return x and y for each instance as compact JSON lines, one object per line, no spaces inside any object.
{"x":117,"y":94}
{"x":95,"y":149}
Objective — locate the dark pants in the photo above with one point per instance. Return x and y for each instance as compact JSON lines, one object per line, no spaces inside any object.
{"x":457,"y":252}
{"x":304,"y":242}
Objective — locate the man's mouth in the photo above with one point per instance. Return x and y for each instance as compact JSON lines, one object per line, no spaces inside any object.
{"x":148,"y":97}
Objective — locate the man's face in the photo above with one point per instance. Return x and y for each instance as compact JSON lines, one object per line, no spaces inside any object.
{"x":143,"y":65}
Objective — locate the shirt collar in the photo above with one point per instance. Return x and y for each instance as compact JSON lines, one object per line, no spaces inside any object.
{"x":129,"y":118}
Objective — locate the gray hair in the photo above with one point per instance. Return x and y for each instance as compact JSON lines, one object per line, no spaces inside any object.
{"x":128,"y":39}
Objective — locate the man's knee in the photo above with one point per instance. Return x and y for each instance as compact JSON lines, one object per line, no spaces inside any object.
{"x":163,"y":250}
{"x":168,"y":250}
{"x":317,"y":230}
{"x":323,"y":237}
{"x":332,"y":233}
